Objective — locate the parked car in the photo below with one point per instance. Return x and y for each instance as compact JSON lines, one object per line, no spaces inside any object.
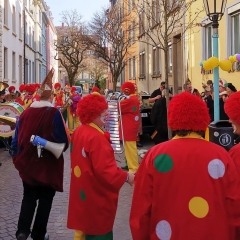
{"x":147,"y":127}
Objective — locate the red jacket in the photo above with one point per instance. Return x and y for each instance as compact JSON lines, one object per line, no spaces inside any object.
{"x":188,"y":189}
{"x":130,"y":118}
{"x":95,"y":182}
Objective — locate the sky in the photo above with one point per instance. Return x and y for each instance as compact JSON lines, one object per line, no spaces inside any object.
{"x":85,"y":7}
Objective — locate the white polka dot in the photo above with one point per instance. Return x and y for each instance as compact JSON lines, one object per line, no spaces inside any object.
{"x":163,"y":230}
{"x":136,"y":118}
{"x":83,"y":153}
{"x":216,"y":168}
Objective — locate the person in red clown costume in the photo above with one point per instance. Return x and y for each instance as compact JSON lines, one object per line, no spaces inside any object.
{"x":37,"y":86}
{"x":22,"y":91}
{"x":130,"y":111}
{"x":12,"y":94}
{"x":73,"y":120}
{"x":95,"y":177}
{"x":58,"y":96}
{"x":187,"y":187}
{"x":30,"y":96}
{"x":231,"y":108}
{"x":95,"y":89}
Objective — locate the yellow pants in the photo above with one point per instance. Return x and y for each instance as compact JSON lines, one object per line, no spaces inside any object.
{"x":78,"y":235}
{"x":131,"y":155}
{"x":207,"y":134}
{"x":73,"y":122}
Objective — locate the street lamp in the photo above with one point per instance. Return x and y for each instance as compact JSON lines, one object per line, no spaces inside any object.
{"x":215,"y":10}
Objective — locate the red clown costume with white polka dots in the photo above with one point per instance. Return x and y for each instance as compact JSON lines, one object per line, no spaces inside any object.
{"x":95,"y":177}
{"x":186,"y":188}
{"x":188,"y":210}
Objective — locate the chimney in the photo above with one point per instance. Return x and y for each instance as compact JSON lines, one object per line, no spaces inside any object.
{"x":62,"y":25}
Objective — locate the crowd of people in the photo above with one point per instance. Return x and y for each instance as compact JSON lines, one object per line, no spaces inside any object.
{"x":181,"y":191}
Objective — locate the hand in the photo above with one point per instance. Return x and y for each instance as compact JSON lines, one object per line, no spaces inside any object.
{"x":158,"y":96}
{"x":131,"y":178}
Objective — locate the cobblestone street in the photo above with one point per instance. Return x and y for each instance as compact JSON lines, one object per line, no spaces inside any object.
{"x":11,"y":196}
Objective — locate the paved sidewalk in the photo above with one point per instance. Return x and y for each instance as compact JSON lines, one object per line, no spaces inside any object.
{"x":11,"y":196}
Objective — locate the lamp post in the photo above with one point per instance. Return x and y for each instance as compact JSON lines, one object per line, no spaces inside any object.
{"x":215,"y":10}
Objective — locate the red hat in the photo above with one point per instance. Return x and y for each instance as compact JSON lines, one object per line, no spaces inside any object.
{"x":90,"y":107}
{"x":128,"y":86}
{"x":73,"y":89}
{"x":187,"y":112}
{"x":232,"y":107}
{"x":22,"y":87}
{"x":57,"y":85}
{"x":11,"y":88}
{"x":30,"y":88}
{"x":37,"y":85}
{"x":95,"y":89}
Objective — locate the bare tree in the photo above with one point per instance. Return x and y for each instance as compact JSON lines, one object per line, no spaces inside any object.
{"x":72,"y":44}
{"x":113,"y":41}
{"x":159,"y":19}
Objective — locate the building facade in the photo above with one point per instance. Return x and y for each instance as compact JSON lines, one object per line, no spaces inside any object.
{"x":199,"y":46}
{"x":24,"y":41}
{"x":12,"y":42}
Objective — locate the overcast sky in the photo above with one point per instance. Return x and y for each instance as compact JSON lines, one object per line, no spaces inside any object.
{"x":85,"y":7}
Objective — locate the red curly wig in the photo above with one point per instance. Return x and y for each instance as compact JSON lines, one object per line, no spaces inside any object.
{"x":188,"y":112}
{"x":95,"y":89}
{"x":30,"y":88}
{"x":11,"y":88}
{"x":232,"y":105}
{"x":90,"y":107}
{"x":22,"y":87}
{"x":128,"y":86}
{"x":57,"y":85}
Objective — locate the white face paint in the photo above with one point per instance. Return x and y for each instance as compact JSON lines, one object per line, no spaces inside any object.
{"x":103,"y":119}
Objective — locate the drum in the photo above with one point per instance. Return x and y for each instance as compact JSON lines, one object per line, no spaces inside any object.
{"x":9,"y":110}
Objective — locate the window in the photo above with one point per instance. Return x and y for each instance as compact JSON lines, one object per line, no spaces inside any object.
{"x":5,"y":70}
{"x":129,"y":6}
{"x":40,"y":75}
{"x":26,"y":34}
{"x":170,"y":57}
{"x":130,"y":68}
{"x":134,"y":68}
{"x":141,"y":23}
{"x":26,"y":70}
{"x":30,"y":71}
{"x":20,"y":69}
{"x":20,"y":25}
{"x":6,"y":12}
{"x":33,"y":43}
{"x":33,"y":72}
{"x":133,"y":32}
{"x":133,"y":3}
{"x":14,"y":19}
{"x":30,"y":38}
{"x":142,"y":65}
{"x":13,"y":66}
{"x":155,"y":12}
{"x":235,"y":34}
{"x":129,"y":36}
{"x":156,"y":61}
{"x":208,"y":42}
